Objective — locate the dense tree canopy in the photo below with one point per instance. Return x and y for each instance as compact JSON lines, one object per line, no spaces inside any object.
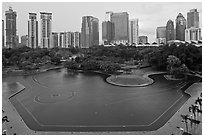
{"x":175,"y":67}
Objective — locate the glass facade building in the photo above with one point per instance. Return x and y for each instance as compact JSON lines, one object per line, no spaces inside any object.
{"x":89,"y":31}
{"x":180,"y":27}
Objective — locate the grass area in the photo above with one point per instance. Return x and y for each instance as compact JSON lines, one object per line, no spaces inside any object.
{"x":129,"y":80}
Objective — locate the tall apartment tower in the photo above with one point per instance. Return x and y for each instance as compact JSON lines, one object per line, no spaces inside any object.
{"x":11,"y":28}
{"x":89,"y":31}
{"x":193,"y":18}
{"x":68,"y":39}
{"x":76,"y":39}
{"x":133,"y":31}
{"x":46,"y":29}
{"x":161,"y":34}
{"x":169,"y":30}
{"x":32,"y":31}
{"x":121,"y":25}
{"x":180,"y":27}
{"x":3,"y":42}
{"x":62,"y":39}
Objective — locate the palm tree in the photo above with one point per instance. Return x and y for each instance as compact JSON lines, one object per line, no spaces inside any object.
{"x":193,"y":108}
{"x":185,"y":118}
{"x":199,"y":101}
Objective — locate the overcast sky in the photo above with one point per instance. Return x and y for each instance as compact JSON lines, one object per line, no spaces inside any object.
{"x":67,"y":16}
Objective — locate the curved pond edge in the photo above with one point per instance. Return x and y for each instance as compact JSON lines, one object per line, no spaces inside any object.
{"x":107,"y":129}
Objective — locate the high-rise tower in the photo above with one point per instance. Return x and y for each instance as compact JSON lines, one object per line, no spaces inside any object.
{"x":11,"y":28}
{"x":46,"y":29}
{"x":133,"y":31}
{"x":32,"y":31}
{"x":169,"y":30}
{"x":193,"y":18}
{"x":180,"y":27}
{"x":89,"y":31}
{"x":161,"y":34}
{"x":121,"y":25}
{"x":3,"y":34}
{"x":193,"y":32}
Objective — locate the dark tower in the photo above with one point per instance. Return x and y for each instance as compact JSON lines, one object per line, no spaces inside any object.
{"x":11,"y":28}
{"x":180,"y":27}
{"x":169,"y":30}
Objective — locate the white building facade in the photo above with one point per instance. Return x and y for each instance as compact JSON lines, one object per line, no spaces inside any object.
{"x":32,"y":31}
{"x":133,"y":31}
{"x":46,"y":29}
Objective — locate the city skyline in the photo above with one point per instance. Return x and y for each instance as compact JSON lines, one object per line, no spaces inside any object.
{"x":150,"y":15}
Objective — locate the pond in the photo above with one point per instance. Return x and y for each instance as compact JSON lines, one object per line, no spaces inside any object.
{"x":59,"y":100}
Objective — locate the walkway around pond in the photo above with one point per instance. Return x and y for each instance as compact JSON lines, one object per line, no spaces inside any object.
{"x":17,"y":126}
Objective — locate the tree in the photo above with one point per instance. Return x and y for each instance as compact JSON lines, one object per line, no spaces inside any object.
{"x":185,"y":118}
{"x":193,"y":109}
{"x":71,"y":65}
{"x":175,"y":67}
{"x":199,"y":101}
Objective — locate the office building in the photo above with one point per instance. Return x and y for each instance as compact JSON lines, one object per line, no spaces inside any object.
{"x":143,"y":39}
{"x":89,"y":31}
{"x":32,"y":31}
{"x":55,"y":39}
{"x":3,"y":37}
{"x":107,"y":32}
{"x":133,"y":31}
{"x":11,"y":28}
{"x":169,"y":30}
{"x":193,"y":34}
{"x":180,"y":27}
{"x":161,"y":35}
{"x":76,"y":39}
{"x":46,"y":29}
{"x":121,"y":24}
{"x":193,"y":18}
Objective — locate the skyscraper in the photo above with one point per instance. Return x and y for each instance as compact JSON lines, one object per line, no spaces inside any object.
{"x":3,"y":34}
{"x":169,"y":30}
{"x":76,"y":38}
{"x":161,"y":34}
{"x":89,"y":31}
{"x":133,"y":31}
{"x":46,"y":29}
{"x":193,"y":32}
{"x":32,"y":31}
{"x":107,"y":32}
{"x":193,"y":18}
{"x":11,"y":28}
{"x":180,"y":27}
{"x":121,"y":22}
